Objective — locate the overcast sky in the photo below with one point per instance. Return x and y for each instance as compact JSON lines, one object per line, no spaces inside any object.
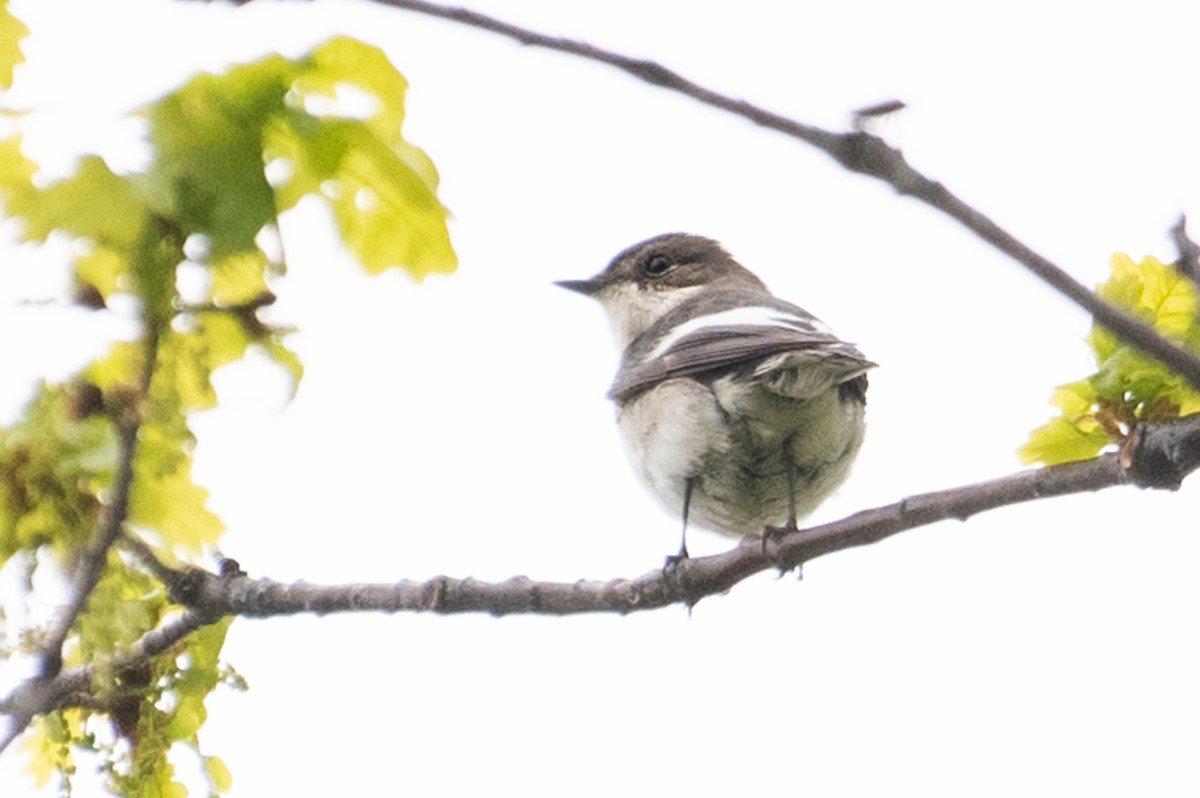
{"x":460,"y":426}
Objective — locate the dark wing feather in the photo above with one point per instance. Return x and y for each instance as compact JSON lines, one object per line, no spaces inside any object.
{"x":731,"y":349}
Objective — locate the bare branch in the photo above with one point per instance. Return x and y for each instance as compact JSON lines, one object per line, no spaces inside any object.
{"x":91,"y":566}
{"x":1156,"y":455}
{"x":87,"y":574}
{"x":73,"y":686}
{"x":150,"y":561}
{"x":860,"y":152}
{"x":33,"y":698}
{"x":687,"y":583}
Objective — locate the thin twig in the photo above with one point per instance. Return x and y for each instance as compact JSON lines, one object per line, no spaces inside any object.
{"x":859,"y":152}
{"x":72,"y":686}
{"x":91,"y":566}
{"x":149,"y":560}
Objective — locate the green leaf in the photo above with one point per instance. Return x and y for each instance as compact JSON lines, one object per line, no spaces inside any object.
{"x":388,"y":213}
{"x":219,"y":777}
{"x":102,"y":268}
{"x":54,"y":463}
{"x":1060,"y":441}
{"x":94,"y":204}
{"x":12,"y":31}
{"x":125,"y":605}
{"x":383,"y":190}
{"x":343,"y":61}
{"x":208,"y":171}
{"x":49,"y":744}
{"x":120,"y":370}
{"x":204,"y":647}
{"x":188,"y":359}
{"x":193,"y":684}
{"x":216,"y":134}
{"x":1075,"y":399}
{"x":164,"y":497}
{"x":383,"y":197}
{"x":173,"y":505}
{"x":1128,"y":387}
{"x":237,"y":279}
{"x":41,"y":750}
{"x":16,"y":171}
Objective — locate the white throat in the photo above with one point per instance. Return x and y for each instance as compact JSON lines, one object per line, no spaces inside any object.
{"x":633,"y":310}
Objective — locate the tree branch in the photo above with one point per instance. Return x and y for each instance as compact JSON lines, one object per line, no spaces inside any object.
{"x":91,"y":566}
{"x":73,"y":686}
{"x":1155,"y":455}
{"x":860,"y":152}
{"x":31,"y":698}
{"x":687,"y":583}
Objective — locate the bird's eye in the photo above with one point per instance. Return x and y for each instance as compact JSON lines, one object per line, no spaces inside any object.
{"x":658,"y":264}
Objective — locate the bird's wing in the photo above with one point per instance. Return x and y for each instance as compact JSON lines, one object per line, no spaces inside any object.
{"x":764,"y":342}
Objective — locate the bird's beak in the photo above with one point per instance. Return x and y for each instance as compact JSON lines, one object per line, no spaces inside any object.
{"x":586,"y":287}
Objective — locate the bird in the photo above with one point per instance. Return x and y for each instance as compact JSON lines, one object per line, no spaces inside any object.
{"x":739,"y":410}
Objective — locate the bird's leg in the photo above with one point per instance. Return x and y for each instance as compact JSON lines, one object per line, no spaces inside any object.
{"x":672,"y":559}
{"x":792,"y":525}
{"x":671,"y":571}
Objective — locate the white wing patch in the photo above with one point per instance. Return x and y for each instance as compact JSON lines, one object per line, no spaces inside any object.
{"x":752,"y":316}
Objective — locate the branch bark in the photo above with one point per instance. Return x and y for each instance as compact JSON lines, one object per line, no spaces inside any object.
{"x":1156,"y":455}
{"x":72,"y":687}
{"x":859,"y":152}
{"x":687,"y":582}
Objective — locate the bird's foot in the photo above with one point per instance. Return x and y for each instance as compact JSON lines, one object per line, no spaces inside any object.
{"x":672,"y":572}
{"x":770,"y":551}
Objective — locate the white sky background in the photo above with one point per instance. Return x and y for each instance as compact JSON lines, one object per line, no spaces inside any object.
{"x":460,"y":426}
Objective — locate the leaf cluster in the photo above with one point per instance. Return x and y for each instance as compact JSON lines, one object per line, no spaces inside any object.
{"x":231,"y":152}
{"x":1128,"y":388}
